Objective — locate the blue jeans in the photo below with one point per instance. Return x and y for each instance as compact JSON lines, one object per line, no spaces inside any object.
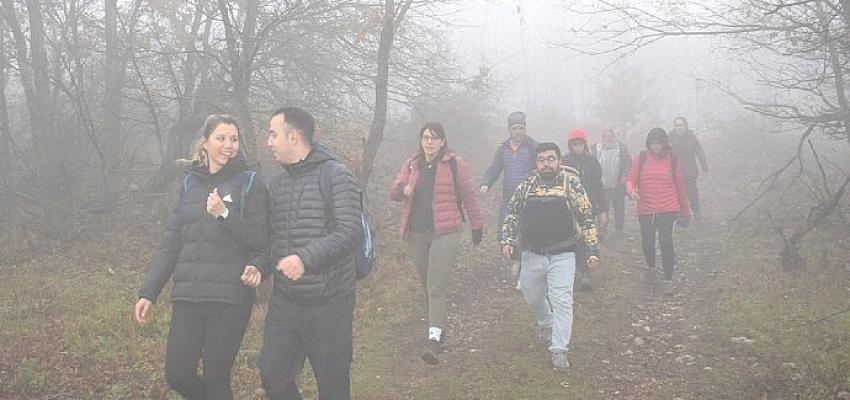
{"x":547,"y":286}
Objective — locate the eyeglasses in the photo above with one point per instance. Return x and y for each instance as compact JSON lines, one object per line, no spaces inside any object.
{"x":547,"y":159}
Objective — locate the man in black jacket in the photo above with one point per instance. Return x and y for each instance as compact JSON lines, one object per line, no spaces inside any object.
{"x":312,"y":253}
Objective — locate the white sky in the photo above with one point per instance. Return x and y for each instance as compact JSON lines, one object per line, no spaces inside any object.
{"x":512,"y":38}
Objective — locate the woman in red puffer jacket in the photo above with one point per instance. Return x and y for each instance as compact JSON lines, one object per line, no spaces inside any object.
{"x":436,"y":187}
{"x":657,"y":183}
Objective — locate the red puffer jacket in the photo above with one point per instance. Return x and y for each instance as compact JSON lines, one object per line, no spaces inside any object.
{"x":658,"y":192}
{"x":447,"y":216}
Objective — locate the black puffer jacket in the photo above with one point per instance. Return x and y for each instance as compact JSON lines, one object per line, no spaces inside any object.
{"x":205,"y":257}
{"x":299,"y":227}
{"x":590,"y":173}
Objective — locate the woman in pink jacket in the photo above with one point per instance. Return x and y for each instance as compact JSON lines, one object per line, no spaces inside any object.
{"x":657,"y":183}
{"x":436,"y":187}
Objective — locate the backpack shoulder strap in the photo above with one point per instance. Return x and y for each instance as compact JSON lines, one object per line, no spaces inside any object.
{"x":247,"y":181}
{"x":641,"y":161}
{"x":458,"y":195}
{"x":325,"y":186}
{"x":186,"y":177}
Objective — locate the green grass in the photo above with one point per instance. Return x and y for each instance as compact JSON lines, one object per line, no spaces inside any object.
{"x":780,"y":311}
{"x":67,"y":328}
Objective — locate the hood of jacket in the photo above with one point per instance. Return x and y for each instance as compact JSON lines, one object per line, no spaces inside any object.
{"x":233,"y":167}
{"x":317,"y":155}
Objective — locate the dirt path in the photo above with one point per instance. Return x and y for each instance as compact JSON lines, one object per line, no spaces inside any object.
{"x":629,"y":341}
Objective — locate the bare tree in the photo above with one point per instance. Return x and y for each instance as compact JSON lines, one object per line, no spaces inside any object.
{"x":185,"y":81}
{"x":624,"y":98}
{"x":114,"y":81}
{"x":132,"y":81}
{"x":800,"y":50}
{"x":5,"y":133}
{"x":33,"y":66}
{"x":391,"y":19}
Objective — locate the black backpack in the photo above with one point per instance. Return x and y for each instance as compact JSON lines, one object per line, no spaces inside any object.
{"x":364,"y":254}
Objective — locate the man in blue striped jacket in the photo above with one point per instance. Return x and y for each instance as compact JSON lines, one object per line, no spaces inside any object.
{"x":516,"y":157}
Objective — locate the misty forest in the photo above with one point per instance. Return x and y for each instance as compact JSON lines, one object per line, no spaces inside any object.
{"x":100,"y":99}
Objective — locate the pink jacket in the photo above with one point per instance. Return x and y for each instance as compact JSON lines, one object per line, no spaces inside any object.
{"x":447,"y":216}
{"x":657,"y":189}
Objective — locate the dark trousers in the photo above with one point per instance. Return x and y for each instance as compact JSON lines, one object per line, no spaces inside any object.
{"x":211,"y":330}
{"x":693,"y":193}
{"x":580,"y":250}
{"x":663,"y":225}
{"x":616,"y":198}
{"x":321,"y":333}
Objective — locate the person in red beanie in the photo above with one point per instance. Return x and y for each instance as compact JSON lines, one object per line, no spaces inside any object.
{"x":590,"y":173}
{"x":656,"y":181}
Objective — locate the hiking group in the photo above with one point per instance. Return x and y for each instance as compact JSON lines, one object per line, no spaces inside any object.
{"x":306,"y":228}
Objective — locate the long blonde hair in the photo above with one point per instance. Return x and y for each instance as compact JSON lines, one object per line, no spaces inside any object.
{"x":198,"y":156}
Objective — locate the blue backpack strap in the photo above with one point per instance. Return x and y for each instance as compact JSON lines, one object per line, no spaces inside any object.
{"x":186,"y":181}
{"x":247,"y":181}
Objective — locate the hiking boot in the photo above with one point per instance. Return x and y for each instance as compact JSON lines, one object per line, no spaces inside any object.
{"x":667,"y":288}
{"x":544,"y":336}
{"x":559,"y":361}
{"x":431,"y":351}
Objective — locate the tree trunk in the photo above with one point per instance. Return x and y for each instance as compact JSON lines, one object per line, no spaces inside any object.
{"x":379,"y":118}
{"x":790,"y":258}
{"x":36,"y":83}
{"x":5,"y":134}
{"x":112,"y":134}
{"x":241,"y":64}
{"x":182,"y":133}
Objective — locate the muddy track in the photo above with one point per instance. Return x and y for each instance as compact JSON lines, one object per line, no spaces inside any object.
{"x":629,"y":340}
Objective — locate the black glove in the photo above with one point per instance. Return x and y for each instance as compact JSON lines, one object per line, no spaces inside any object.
{"x":477,"y":234}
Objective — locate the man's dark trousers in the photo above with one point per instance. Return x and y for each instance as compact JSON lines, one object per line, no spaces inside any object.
{"x":321,"y":333}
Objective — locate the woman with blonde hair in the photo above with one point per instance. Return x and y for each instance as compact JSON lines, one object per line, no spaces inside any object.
{"x":211,"y":248}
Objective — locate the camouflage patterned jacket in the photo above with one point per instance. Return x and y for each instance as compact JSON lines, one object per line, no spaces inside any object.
{"x":567,"y":185}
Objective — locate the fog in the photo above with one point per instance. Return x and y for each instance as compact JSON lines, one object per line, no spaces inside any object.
{"x":101,"y":99}
{"x":559,"y":87}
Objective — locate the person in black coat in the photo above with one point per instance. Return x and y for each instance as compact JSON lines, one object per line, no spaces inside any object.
{"x":590,"y":173}
{"x":313,"y":241}
{"x":214,"y":242}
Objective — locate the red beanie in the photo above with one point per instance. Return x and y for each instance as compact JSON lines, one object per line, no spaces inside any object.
{"x":577,"y":134}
